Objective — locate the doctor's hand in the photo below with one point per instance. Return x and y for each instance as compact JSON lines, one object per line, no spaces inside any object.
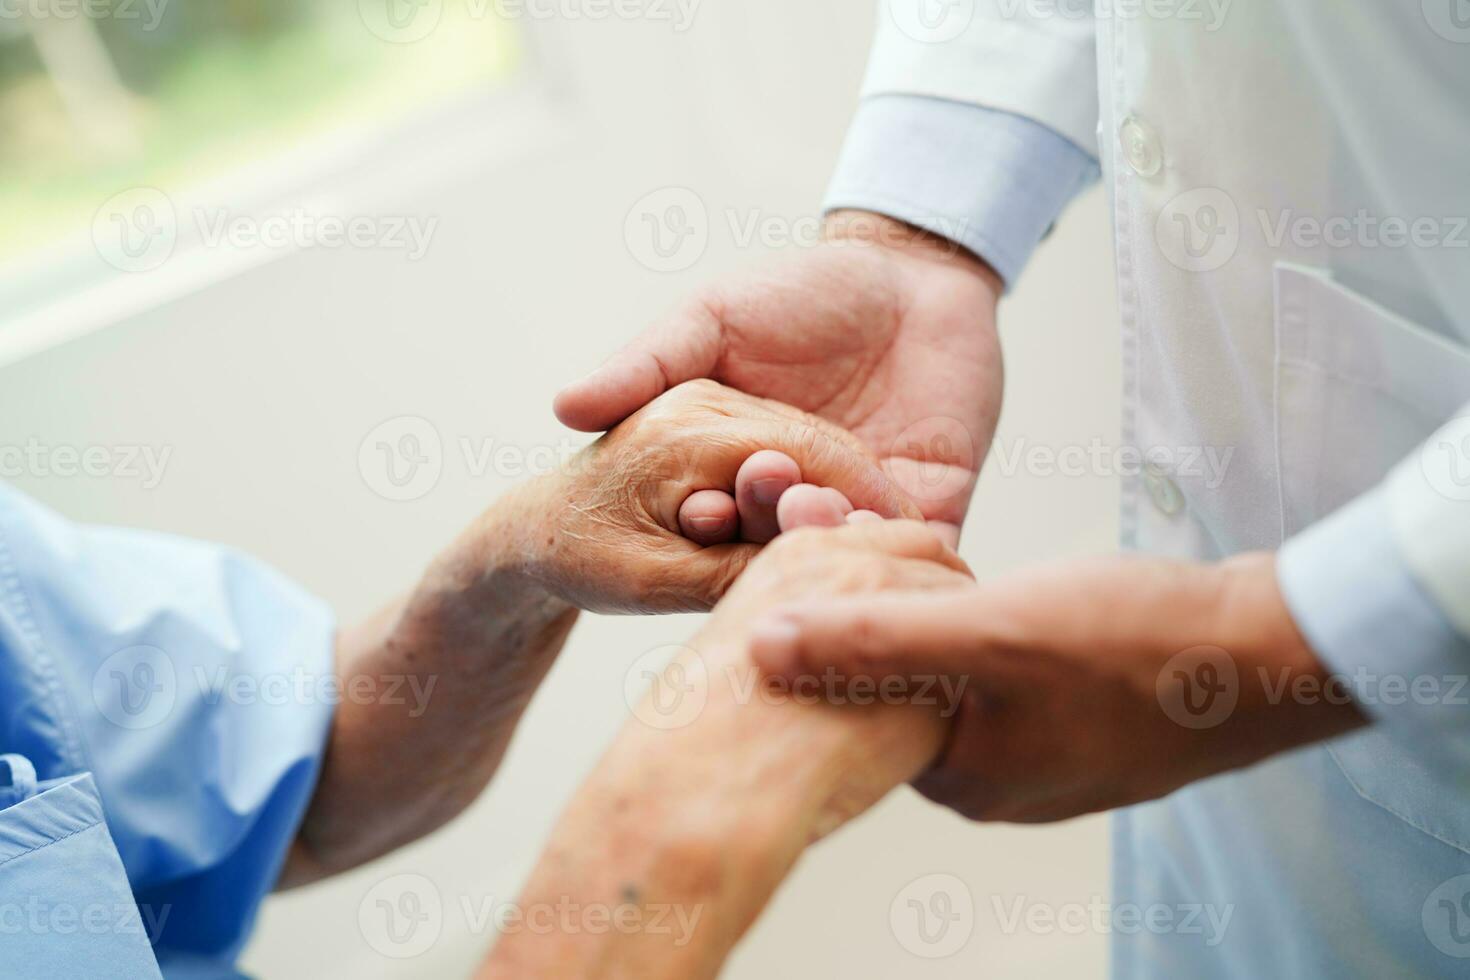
{"x":883,"y":330}
{"x":1090,"y":684}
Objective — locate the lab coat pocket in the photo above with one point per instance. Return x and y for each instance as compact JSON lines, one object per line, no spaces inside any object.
{"x":1358,"y":388}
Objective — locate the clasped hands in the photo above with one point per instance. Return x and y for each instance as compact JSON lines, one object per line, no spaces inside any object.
{"x":1059,"y":712}
{"x":1074,"y":676}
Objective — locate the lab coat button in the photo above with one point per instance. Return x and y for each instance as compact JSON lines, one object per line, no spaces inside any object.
{"x":1141,"y":147}
{"x":1163,"y":491}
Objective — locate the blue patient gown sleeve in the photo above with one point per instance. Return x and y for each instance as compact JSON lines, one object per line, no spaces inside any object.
{"x":181,"y":693}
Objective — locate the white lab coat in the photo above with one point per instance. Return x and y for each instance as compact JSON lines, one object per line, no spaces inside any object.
{"x":1252,"y":152}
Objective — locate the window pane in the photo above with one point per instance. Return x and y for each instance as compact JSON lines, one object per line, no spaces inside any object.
{"x":100,"y":95}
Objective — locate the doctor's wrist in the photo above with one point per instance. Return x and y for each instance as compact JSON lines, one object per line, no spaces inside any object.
{"x":846,"y":226}
{"x":1297,"y":697}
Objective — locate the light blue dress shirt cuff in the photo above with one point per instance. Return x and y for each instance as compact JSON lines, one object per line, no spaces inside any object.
{"x":991,"y":181}
{"x":1372,"y":623}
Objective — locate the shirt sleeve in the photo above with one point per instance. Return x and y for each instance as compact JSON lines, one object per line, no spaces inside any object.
{"x":1001,"y":54}
{"x":1381,"y":590}
{"x":989,"y":180}
{"x":974,"y":123}
{"x":194,"y":683}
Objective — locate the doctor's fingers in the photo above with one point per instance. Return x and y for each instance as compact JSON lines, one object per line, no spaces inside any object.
{"x":895,"y":634}
{"x":709,"y":517}
{"x":807,"y":505}
{"x":670,"y":463}
{"x":830,"y":458}
{"x":683,"y":346}
{"x":769,"y":498}
{"x":763,"y":481}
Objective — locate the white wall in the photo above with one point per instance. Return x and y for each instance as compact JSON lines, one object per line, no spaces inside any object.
{"x":264,"y":385}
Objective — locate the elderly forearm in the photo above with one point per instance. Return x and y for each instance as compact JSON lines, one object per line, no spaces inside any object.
{"x":707,"y":818}
{"x":450,"y":668}
{"x":694,"y":829}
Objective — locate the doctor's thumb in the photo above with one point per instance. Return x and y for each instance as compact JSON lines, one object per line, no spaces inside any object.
{"x":625,"y":383}
{"x":894,"y":636}
{"x":680,"y":348}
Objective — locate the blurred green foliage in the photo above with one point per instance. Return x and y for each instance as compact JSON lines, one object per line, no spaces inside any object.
{"x":208,"y":86}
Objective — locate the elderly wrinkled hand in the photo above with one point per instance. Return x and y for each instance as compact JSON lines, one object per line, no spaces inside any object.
{"x":659,"y":515}
{"x":663,"y":513}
